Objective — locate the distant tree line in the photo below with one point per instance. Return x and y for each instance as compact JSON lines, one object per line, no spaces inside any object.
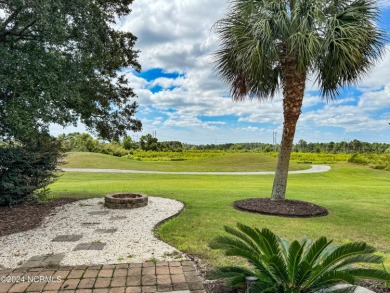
{"x":84,"y":142}
{"x":354,"y":146}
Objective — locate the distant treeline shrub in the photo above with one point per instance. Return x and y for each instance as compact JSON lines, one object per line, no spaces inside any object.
{"x":376,"y":161}
{"x":315,"y":158}
{"x":174,"y":156}
{"x":84,"y":142}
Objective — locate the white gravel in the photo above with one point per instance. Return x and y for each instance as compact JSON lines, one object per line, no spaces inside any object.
{"x":134,"y":240}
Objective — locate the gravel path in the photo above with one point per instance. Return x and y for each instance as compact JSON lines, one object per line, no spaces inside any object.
{"x":313,"y":169}
{"x":133,"y":241}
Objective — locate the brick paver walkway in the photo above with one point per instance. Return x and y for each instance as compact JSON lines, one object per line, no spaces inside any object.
{"x":121,"y":278}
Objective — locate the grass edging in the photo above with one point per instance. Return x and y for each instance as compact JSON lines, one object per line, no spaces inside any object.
{"x":159,"y":224}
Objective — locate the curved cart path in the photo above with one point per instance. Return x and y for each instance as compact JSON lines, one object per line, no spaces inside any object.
{"x":313,"y":169}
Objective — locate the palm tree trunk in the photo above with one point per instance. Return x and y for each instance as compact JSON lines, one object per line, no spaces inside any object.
{"x":293,"y":90}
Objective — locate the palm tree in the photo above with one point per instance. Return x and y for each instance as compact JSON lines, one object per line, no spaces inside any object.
{"x":268,"y":44}
{"x":299,"y":266}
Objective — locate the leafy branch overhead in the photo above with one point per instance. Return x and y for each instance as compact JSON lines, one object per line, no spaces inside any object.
{"x":60,"y":63}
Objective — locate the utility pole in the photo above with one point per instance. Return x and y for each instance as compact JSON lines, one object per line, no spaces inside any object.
{"x":274,"y":136}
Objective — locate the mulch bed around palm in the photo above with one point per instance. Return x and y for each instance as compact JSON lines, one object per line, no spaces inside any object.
{"x":220,"y":287}
{"x":283,"y":208}
{"x":375,"y":286}
{"x":27,"y":216}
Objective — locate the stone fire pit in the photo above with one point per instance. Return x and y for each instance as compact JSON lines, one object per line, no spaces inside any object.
{"x":125,"y":200}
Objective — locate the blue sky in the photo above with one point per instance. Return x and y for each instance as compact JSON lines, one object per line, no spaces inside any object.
{"x":181,"y":98}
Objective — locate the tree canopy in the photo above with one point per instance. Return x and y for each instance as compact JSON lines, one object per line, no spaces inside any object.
{"x":268,"y":45}
{"x":60,"y":62}
{"x":262,"y":40}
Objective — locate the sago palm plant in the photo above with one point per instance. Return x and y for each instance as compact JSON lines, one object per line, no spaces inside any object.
{"x":299,"y":266}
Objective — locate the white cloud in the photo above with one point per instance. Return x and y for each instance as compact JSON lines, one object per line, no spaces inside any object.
{"x":374,"y":101}
{"x":157,"y":121}
{"x":384,"y":3}
{"x":173,"y":34}
{"x":176,"y":36}
{"x":378,"y":75}
{"x":167,"y":83}
{"x":216,"y":122}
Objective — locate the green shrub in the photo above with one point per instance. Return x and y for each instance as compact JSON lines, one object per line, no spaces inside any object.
{"x":113,"y":149}
{"x":315,"y":158}
{"x":376,"y":161}
{"x":27,"y":167}
{"x":174,"y":155}
{"x":358,"y":159}
{"x":128,"y":143}
{"x":305,"y":266}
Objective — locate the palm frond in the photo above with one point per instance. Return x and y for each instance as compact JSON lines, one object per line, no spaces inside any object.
{"x":279,"y":269}
{"x":230,"y":271}
{"x":248,"y":58}
{"x":284,"y":248}
{"x":271,"y":242}
{"x":351,"y":44}
{"x":303,"y":274}
{"x":249,"y":237}
{"x":346,"y":251}
{"x":226,"y":242}
{"x":265,"y":239}
{"x":372,"y":274}
{"x":333,"y":277}
{"x":340,"y":289}
{"x":316,"y":249}
{"x":235,"y":281}
{"x":339,"y":254}
{"x":295,"y":253}
{"x":263,"y":287}
{"x":236,"y":276}
{"x":368,"y":259}
{"x":233,"y":247}
{"x":304,"y":37}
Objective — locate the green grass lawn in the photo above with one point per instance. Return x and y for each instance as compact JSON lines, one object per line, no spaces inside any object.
{"x":357,"y":197}
{"x":221,"y":162}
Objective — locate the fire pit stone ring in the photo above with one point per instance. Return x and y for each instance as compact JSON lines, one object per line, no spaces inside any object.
{"x":125,"y":200}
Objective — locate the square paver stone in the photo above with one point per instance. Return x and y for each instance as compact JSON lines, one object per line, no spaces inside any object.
{"x":106,"y":231}
{"x":90,"y":246}
{"x":44,"y":260}
{"x":90,"y":223}
{"x":67,"y":238}
{"x":102,"y":213}
{"x":117,"y":218}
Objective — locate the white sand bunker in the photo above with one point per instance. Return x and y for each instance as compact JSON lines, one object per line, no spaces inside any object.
{"x":124,"y":236}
